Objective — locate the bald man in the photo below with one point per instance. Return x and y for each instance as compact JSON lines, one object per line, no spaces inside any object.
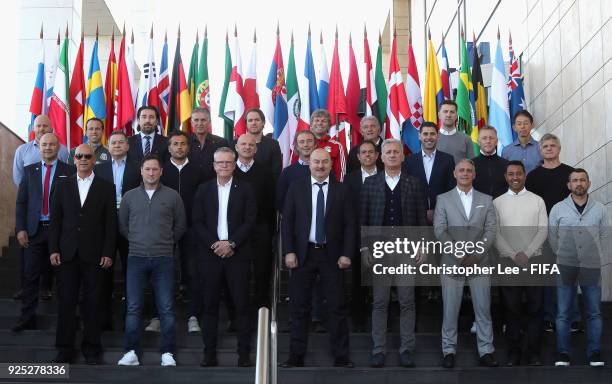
{"x":318,"y":238}
{"x":82,"y":244}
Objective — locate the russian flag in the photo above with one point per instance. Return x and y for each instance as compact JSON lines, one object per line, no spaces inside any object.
{"x":323,"y":78}
{"x":309,"y":98}
{"x":38,"y":103}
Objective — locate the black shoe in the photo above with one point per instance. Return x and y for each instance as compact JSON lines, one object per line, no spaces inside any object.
{"x":63,"y":358}
{"x":93,"y":359}
{"x":595,"y":360}
{"x":563,"y":360}
{"x":549,"y":326}
{"x":534,"y":360}
{"x":209,"y":360}
{"x":343,"y":362}
{"x":406,"y":359}
{"x":18,"y":295}
{"x":576,"y":327}
{"x":244,"y":361}
{"x":487,"y":360}
{"x":231,"y":328}
{"x":46,"y":294}
{"x":377,"y":360}
{"x":449,"y":360}
{"x":514,"y":358}
{"x":293,"y":361}
{"x":22,"y":325}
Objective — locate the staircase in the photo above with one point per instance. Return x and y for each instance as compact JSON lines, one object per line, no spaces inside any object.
{"x":37,"y":346}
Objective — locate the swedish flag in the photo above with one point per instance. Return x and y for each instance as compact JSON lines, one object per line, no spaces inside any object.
{"x":94,"y":104}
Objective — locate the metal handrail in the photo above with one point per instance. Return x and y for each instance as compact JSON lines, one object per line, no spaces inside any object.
{"x":274,"y":319}
{"x":263,"y":335}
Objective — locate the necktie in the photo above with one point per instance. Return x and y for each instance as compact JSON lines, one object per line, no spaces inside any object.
{"x":320,"y":224}
{"x":45,"y":202}
{"x":147,"y":145}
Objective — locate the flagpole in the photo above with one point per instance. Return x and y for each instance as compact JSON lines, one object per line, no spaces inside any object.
{"x":67,"y":101}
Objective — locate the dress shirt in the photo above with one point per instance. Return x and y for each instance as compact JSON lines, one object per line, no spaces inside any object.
{"x":448,"y":133}
{"x":365,"y":173}
{"x":29,"y":153}
{"x":302,"y":162}
{"x":84,"y":185}
{"x":144,"y":141}
{"x":179,"y":166}
{"x":245,"y":167}
{"x":521,"y":192}
{"x":224,"y":192}
{"x":392,"y":180}
{"x":43,"y":173}
{"x":466,"y":200}
{"x":428,"y":162}
{"x":528,"y":154}
{"x":118,"y":171}
{"x":150,"y":192}
{"x":315,"y":192}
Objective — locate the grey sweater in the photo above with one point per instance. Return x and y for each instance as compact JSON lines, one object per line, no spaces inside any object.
{"x":152,"y":226}
{"x":458,"y":144}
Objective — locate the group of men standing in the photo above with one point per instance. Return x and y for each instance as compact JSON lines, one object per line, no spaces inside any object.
{"x":148,"y":197}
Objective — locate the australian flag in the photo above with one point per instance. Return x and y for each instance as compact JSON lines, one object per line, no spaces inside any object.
{"x":516,"y":94}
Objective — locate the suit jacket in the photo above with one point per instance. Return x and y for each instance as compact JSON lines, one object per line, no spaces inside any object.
{"x":262,"y":180}
{"x":353,"y":164}
{"x":241,"y":215}
{"x":30,"y":192}
{"x":88,"y":231}
{"x":297,"y":217}
{"x":451,"y":223}
{"x":159,"y":147}
{"x":131,"y":174}
{"x":441,"y":179}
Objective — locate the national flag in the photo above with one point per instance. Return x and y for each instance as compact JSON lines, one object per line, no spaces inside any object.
{"x":95,"y":105}
{"x":516,"y":94}
{"x":110,"y":89}
{"x":251,"y":95}
{"x":59,"y":106}
{"x":309,"y":99}
{"x":445,"y":74}
{"x":323,"y":77}
{"x":234,"y":103}
{"x":276,"y":93}
{"x":179,"y":109}
{"x":193,"y":70}
{"x":130,"y":63}
{"x":228,"y":131}
{"x":76,"y":99}
{"x":51,"y":72}
{"x":293,"y":97}
{"x":381,"y":87}
{"x":412,"y":126}
{"x":163,"y":85}
{"x":397,"y":102}
{"x":124,"y":104}
{"x":38,"y":102}
{"x":368,"y":105}
{"x":499,"y":113}
{"x":480,"y":99}
{"x":434,"y":95}
{"x":202,"y":98}
{"x":353,"y":97}
{"x":148,"y":94}
{"x":336,"y":101}
{"x":466,"y":113}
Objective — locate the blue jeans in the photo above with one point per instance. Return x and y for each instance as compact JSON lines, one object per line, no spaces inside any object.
{"x":160,"y":271}
{"x":589,"y":281}
{"x":549,"y":304}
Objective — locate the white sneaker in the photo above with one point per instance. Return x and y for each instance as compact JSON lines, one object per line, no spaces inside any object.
{"x":193,"y":326}
{"x":153,"y":326}
{"x":473,"y":329}
{"x":129,"y":358}
{"x":167,"y":360}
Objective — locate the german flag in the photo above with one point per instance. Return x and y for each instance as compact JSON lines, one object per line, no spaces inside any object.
{"x":179,"y":110}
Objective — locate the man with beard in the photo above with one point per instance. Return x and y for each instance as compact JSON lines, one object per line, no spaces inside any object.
{"x":147,"y":141}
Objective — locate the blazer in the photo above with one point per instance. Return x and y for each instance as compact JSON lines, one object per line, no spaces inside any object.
{"x":373,"y":199}
{"x":241,"y":215}
{"x":88,"y":231}
{"x":340,"y":229}
{"x":262,"y":180}
{"x":131,"y":174}
{"x":451,"y":223}
{"x":441,"y":179}
{"x":29,"y":195}
{"x":159,"y":147}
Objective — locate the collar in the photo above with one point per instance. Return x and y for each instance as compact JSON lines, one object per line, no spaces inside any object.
{"x":467,"y":194}
{"x":315,"y":181}
{"x":448,"y":133}
{"x":53,"y":164}
{"x":180,"y":165}
{"x":432,"y":156}
{"x":226,"y":184}
{"x":302,"y":162}
{"x":194,"y":138}
{"x":142,"y":134}
{"x":521,"y":192}
{"x":387,"y":176}
{"x":250,"y":164}
{"x":120,"y":161}
{"x":88,"y":178}
{"x":327,"y":137}
{"x":368,"y":173}
{"x":488,"y":155}
{"x":530,"y":142}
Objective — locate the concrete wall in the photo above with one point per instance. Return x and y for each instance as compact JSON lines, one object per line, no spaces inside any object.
{"x":8,"y":193}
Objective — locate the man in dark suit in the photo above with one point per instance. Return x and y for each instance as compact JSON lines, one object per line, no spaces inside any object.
{"x":268,"y":150}
{"x":82,"y":243}
{"x":490,"y":167}
{"x":125,"y":175}
{"x":318,"y":237}
{"x":224,"y":214}
{"x":202,"y":143}
{"x":147,"y":141}
{"x":304,"y":143}
{"x":261,"y":179}
{"x":393,"y":199}
{"x":369,"y":127}
{"x":367,"y":154}
{"x":431,"y":166}
{"x":32,"y":215}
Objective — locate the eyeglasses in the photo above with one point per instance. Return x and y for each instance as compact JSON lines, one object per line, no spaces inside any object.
{"x":86,"y":156}
{"x":224,"y":163}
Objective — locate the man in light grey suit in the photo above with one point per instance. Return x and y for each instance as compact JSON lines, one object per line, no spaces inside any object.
{"x":464,"y":214}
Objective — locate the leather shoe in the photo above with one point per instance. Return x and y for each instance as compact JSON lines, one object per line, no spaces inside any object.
{"x":244,"y":361}
{"x":22,"y":325}
{"x":293,"y":361}
{"x":93,"y":359}
{"x":231,"y":327}
{"x":18,"y":295}
{"x":449,"y":360}
{"x":378,"y":360}
{"x":534,"y":360}
{"x":406,"y":359}
{"x":487,"y":360}
{"x":343,"y":363}
{"x":63,"y":358}
{"x":209,"y":360}
{"x":514,"y":358}
{"x":46,"y":294}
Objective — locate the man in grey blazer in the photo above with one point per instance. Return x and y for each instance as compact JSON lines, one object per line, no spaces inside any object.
{"x":464,"y":214}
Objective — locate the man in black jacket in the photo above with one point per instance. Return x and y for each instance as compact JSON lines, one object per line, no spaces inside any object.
{"x":268,"y":150}
{"x":147,"y":141}
{"x":490,"y":167}
{"x":82,"y":243}
{"x":304,"y":143}
{"x":202,"y":143}
{"x":369,"y":127}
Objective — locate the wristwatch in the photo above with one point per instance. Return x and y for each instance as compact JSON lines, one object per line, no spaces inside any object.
{"x":232,"y":244}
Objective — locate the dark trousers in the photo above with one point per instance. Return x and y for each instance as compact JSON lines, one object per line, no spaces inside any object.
{"x":70,"y":275}
{"x":358,"y":292}
{"x":235,"y":270}
{"x":262,"y":264}
{"x":301,"y":284}
{"x":36,"y":265}
{"x":513,"y":304}
{"x":190,"y":272}
{"x":107,"y":284}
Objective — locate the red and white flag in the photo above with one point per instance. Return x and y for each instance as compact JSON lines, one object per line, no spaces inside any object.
{"x":147,"y":91}
{"x":251,"y":96}
{"x":124,"y":104}
{"x":353,"y":97}
{"x":76,"y":97}
{"x":336,"y":100}
{"x":397,"y":102}
{"x":234,"y":104}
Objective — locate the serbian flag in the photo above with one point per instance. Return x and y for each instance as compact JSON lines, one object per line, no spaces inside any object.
{"x":276,"y":95}
{"x":323,"y":77}
{"x":163,"y":85}
{"x":251,"y":96}
{"x":179,"y":110}
{"x":412,"y":126}
{"x":309,"y":100}
{"x":110,"y":87}
{"x":336,"y":101}
{"x":433,"y":86}
{"x":147,"y":91}
{"x":444,"y":74}
{"x":38,"y":102}
{"x":397,"y":102}
{"x":353,"y":97}
{"x":234,"y":104}
{"x":124,"y":104}
{"x":77,"y":100}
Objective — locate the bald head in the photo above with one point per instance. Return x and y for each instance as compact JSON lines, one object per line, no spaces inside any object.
{"x":320,"y":164}
{"x":42,"y":125}
{"x":246,"y":146}
{"x":48,"y":145}
{"x":84,"y":159}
